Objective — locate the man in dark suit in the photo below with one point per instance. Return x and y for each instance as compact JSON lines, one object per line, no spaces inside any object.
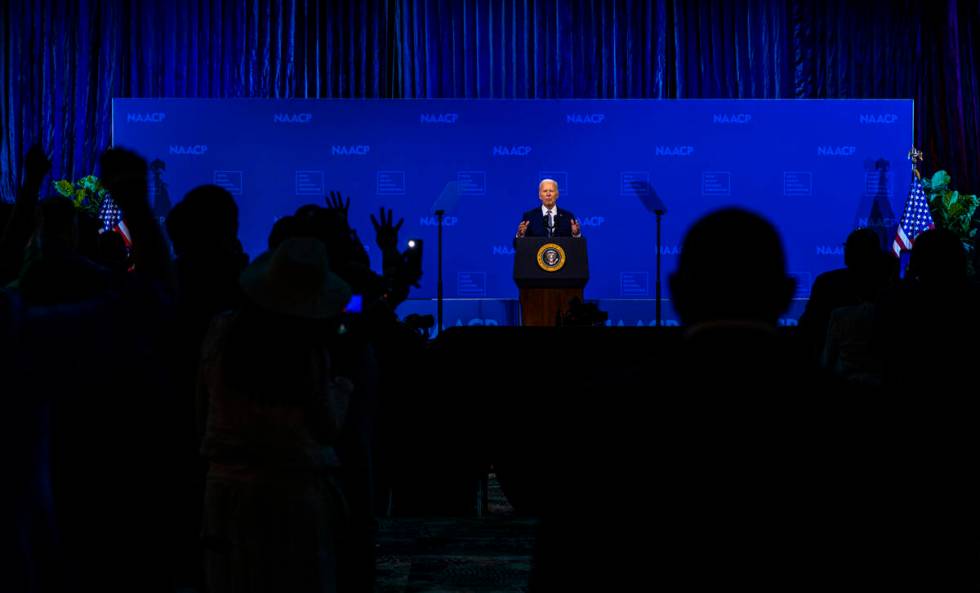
{"x":548,"y":220}
{"x":868,"y":273}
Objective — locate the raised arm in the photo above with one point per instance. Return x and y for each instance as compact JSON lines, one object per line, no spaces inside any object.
{"x":22,"y":220}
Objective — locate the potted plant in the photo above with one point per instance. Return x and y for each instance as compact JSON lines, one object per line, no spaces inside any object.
{"x":953,"y":211}
{"x":87,"y":193}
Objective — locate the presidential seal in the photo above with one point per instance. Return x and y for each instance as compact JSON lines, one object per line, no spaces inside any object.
{"x":551,"y":257}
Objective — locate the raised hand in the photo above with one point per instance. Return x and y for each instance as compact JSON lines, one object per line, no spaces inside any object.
{"x":336,"y":203}
{"x":386,"y":233}
{"x":522,"y":228}
{"x":576,"y":228}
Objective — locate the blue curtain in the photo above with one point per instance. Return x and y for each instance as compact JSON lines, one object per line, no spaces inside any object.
{"x":64,"y":60}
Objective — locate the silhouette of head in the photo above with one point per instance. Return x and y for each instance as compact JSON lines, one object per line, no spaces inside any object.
{"x":862,"y":250}
{"x":281,"y":230}
{"x":124,"y":174}
{"x":732,"y":267}
{"x":296,"y":280}
{"x":938,"y":259}
{"x":205,"y":219}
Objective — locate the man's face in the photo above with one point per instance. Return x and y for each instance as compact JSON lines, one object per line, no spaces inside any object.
{"x":548,"y":194}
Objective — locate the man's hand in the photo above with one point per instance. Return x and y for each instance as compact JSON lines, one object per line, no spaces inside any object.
{"x":386,"y":234}
{"x":576,"y":228}
{"x":522,"y":228}
{"x":36,"y":164}
{"x":336,"y":203}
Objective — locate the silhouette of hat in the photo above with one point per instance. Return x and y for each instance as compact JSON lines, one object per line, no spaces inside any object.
{"x":295,"y":280}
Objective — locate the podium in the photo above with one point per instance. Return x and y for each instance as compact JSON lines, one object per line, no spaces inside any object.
{"x":549,"y":272}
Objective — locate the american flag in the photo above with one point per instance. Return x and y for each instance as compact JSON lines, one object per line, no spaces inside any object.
{"x":915,"y":219}
{"x":112,"y":220}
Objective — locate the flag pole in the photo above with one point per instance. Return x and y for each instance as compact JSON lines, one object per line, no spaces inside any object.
{"x":916,"y":156}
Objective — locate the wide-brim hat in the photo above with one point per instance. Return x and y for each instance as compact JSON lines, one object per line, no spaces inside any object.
{"x":295,"y":280}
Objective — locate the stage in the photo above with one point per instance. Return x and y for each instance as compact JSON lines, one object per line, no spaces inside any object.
{"x":506,"y":312}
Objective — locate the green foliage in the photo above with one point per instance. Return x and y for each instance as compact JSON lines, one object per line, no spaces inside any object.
{"x":87,"y":193}
{"x":953,"y":210}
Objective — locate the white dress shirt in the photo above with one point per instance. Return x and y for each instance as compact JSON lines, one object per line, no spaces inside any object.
{"x":554,"y":214}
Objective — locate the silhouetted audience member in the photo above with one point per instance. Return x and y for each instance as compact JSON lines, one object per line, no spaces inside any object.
{"x":782,"y":463}
{"x":274,"y":510}
{"x":330,"y":225}
{"x":92,"y":410}
{"x":203,"y":229}
{"x":54,"y":271}
{"x":373,"y":352}
{"x":204,"y":221}
{"x":864,"y":278}
{"x":927,"y":332}
{"x":747,"y":461}
{"x":743,"y":470}
{"x":124,"y":175}
{"x":731,"y":308}
{"x":282,"y":229}
{"x":20,"y":223}
{"x":29,"y":539}
{"x":925,"y":317}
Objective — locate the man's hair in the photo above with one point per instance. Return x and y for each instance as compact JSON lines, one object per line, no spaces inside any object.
{"x":862,"y":250}
{"x":938,"y":258}
{"x":732,"y":266}
{"x":546,"y":180}
{"x":207,"y":217}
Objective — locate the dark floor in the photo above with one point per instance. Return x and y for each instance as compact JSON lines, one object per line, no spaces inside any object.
{"x":486,"y":554}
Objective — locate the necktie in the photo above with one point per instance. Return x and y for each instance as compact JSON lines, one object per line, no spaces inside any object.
{"x":551,"y":224}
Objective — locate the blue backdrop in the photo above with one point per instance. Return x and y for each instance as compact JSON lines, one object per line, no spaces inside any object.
{"x":817,"y":169}
{"x":63,"y":62}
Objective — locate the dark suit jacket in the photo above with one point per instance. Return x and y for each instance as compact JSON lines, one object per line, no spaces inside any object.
{"x":539,"y":227}
{"x":837,"y":288}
